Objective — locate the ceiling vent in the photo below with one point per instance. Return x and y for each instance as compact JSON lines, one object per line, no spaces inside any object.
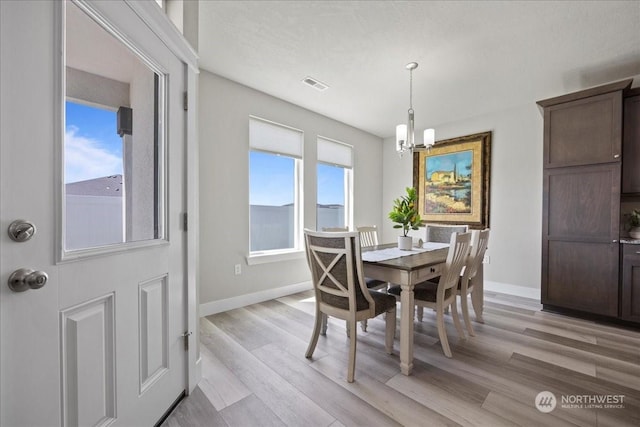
{"x":317,"y":85}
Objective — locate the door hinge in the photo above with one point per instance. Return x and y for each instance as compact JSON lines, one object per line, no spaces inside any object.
{"x":186,"y":336}
{"x":186,"y":101}
{"x":185,"y":221}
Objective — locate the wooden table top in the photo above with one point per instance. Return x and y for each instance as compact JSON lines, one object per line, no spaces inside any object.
{"x":409,"y":262}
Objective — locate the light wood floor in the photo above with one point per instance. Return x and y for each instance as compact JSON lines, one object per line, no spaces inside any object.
{"x":255,"y":372}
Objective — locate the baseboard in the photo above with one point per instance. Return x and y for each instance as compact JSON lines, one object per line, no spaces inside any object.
{"x":219,"y":306}
{"x":505,"y":288}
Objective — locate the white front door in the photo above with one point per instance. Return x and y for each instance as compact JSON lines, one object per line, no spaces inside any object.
{"x":101,"y":342}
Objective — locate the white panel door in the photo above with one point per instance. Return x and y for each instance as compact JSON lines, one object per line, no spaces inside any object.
{"x":101,"y":342}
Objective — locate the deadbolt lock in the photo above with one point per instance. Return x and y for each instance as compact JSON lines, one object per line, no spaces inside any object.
{"x":21,"y":230}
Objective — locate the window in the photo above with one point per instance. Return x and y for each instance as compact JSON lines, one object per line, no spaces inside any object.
{"x":275,"y":180}
{"x":335,"y":184}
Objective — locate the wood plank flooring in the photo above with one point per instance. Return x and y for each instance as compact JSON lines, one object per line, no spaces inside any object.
{"x":255,"y":372}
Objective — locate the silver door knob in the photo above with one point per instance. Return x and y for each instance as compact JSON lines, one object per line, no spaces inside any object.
{"x":24,"y":279}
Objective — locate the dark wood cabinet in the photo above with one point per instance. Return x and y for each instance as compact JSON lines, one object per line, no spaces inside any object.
{"x":630,"y":290}
{"x":631,"y":145}
{"x":580,"y":241}
{"x":581,"y":199}
{"x":583,"y":132}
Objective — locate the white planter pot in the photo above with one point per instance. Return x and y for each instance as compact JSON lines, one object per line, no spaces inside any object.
{"x":405,"y":243}
{"x":634,"y":233}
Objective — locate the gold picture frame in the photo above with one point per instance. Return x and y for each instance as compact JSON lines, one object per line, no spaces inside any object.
{"x":452,"y":179}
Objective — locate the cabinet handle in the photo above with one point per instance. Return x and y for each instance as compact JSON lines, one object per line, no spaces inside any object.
{"x":616,"y":156}
{"x":638,"y":252}
{"x":614,"y":241}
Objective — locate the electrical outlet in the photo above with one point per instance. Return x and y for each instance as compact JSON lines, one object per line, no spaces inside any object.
{"x":238,"y":269}
{"x":486,"y":259}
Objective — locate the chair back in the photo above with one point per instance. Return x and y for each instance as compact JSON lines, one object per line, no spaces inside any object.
{"x":479,"y":242}
{"x":368,"y":235}
{"x":459,"y":245}
{"x":336,"y":270}
{"x":442,"y":233}
{"x":334,"y":229}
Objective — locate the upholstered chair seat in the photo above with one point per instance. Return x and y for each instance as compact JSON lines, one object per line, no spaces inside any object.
{"x":425,"y":291}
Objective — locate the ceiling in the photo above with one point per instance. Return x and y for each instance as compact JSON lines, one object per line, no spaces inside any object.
{"x":475,"y":57}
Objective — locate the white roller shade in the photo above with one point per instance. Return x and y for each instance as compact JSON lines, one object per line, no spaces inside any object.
{"x":335,"y":153}
{"x":275,"y":138}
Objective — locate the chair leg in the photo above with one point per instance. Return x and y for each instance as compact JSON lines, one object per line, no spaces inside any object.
{"x":465,"y":315}
{"x":363,"y":325}
{"x":456,"y":319}
{"x":315,"y":333}
{"x":442,"y":332}
{"x":419,"y":313}
{"x":477,"y":306}
{"x":323,"y":329}
{"x":390,"y":332}
{"x":351,"y":327}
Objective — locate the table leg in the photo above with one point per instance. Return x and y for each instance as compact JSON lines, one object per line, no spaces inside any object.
{"x":477,"y":296}
{"x":406,"y":329}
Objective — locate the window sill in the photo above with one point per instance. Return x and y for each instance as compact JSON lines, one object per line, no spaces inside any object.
{"x":274,"y":256}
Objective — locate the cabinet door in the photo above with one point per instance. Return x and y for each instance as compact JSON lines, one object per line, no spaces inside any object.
{"x":583,"y":132}
{"x":630,"y":295}
{"x":582,"y":276}
{"x":580,"y":238}
{"x":631,"y":146}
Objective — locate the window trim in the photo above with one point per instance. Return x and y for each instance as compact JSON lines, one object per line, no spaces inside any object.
{"x":276,"y":255}
{"x":297,"y":251}
{"x":64,"y":255}
{"x":298,"y":215}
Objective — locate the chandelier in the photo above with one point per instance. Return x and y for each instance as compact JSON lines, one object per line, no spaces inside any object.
{"x":405,"y":139}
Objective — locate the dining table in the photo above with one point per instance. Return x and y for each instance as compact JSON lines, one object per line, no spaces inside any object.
{"x":407,"y":269}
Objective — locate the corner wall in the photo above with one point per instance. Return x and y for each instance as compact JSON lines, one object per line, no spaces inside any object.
{"x":516,"y":193}
{"x":224,"y":109}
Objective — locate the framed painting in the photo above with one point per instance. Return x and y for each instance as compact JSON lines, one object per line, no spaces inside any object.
{"x":452,"y":179}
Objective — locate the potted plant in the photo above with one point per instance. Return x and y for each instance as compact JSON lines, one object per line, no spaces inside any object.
{"x":405,"y":215}
{"x":634,"y":223}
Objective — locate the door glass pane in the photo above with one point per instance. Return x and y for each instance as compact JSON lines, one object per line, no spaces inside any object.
{"x":112,"y":145}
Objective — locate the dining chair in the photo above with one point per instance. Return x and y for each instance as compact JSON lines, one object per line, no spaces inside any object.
{"x":479,"y":242}
{"x":369,"y":237}
{"x":441,"y":233}
{"x":336,"y":269}
{"x":444,"y":294}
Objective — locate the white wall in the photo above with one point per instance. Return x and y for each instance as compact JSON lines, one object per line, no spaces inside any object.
{"x":516,"y":190}
{"x":224,"y":111}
